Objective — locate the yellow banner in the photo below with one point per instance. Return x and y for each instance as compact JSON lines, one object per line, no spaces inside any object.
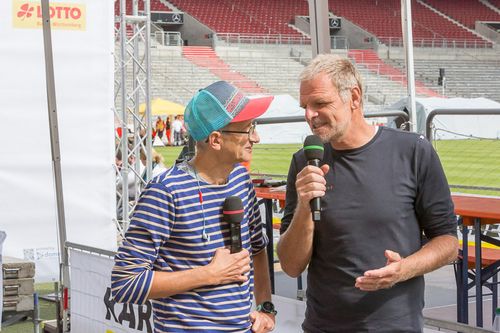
{"x":63,"y":16}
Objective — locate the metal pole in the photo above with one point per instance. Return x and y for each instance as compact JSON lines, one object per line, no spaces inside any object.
{"x":56,"y":153}
{"x":320,"y":30}
{"x":149,"y":131}
{"x":300,"y":119}
{"x":138,"y":144}
{"x":124,"y":142}
{"x":406,"y":21}
{"x":36,"y":314}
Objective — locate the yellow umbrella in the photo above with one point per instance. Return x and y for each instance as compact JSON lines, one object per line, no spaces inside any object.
{"x":161,"y":107}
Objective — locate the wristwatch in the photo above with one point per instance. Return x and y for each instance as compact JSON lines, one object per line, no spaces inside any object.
{"x":267,"y":307}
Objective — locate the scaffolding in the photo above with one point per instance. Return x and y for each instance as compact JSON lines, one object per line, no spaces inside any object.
{"x":132,"y":88}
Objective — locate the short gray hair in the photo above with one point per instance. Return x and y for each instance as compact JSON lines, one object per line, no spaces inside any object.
{"x":341,"y":71}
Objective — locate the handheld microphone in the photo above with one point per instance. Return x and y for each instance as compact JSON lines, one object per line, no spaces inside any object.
{"x":233,"y":214}
{"x":313,"y":148}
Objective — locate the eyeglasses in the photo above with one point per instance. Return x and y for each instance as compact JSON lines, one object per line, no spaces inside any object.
{"x":250,"y":132}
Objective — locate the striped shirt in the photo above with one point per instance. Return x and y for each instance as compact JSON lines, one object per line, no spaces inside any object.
{"x":165,"y":234}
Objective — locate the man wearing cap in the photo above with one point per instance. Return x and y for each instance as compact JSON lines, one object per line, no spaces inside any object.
{"x":175,"y":250}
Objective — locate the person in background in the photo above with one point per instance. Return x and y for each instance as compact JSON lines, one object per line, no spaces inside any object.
{"x":157,"y":166}
{"x":380,"y":188}
{"x":168,"y":130}
{"x":175,"y":252}
{"x":159,"y":127}
{"x":177,"y":129}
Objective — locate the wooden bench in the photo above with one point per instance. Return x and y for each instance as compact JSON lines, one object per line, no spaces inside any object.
{"x":489,"y":256}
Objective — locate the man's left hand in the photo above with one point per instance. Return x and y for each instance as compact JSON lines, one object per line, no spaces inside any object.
{"x":262,"y":322}
{"x":384,"y":277}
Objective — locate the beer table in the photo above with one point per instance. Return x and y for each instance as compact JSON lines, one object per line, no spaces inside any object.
{"x":267,"y":195}
{"x":474,"y":212}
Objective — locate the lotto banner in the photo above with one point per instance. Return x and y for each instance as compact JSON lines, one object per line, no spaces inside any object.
{"x":63,"y":15}
{"x":83,"y":47}
{"x":92,"y":308}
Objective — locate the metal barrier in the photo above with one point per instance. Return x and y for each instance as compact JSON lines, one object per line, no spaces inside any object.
{"x":438,"y":43}
{"x":299,"y":119}
{"x":90,"y":249}
{"x":469,"y":112}
{"x":167,"y":38}
{"x":464,"y":112}
{"x":229,"y":39}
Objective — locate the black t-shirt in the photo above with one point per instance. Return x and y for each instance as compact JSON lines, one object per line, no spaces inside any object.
{"x":380,"y":196}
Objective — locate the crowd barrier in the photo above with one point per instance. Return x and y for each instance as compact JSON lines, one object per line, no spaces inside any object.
{"x":93,"y":310}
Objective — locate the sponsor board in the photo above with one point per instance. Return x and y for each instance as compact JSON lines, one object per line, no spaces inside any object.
{"x":92,"y":307}
{"x":63,"y":16}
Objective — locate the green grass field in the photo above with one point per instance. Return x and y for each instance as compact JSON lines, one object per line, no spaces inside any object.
{"x":466,"y":162}
{"x":471,"y":163}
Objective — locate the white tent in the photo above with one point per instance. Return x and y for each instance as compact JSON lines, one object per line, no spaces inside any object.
{"x":456,"y":126}
{"x":283,"y":106}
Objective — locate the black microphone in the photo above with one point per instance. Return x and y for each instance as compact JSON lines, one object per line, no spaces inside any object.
{"x":313,"y":148}
{"x":233,"y":214}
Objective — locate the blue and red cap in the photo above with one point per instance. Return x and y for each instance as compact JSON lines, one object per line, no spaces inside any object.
{"x":219,"y":104}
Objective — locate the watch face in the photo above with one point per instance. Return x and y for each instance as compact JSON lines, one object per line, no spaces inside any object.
{"x":268,"y":307}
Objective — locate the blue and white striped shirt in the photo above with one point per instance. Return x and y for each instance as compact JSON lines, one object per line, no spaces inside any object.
{"x":165,"y":234}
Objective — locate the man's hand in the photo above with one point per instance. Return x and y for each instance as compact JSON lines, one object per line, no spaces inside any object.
{"x":384,"y":277}
{"x":311,"y":184}
{"x":262,"y":322}
{"x":229,"y":268}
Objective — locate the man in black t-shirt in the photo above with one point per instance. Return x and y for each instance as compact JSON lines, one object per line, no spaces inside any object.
{"x":380,"y":189}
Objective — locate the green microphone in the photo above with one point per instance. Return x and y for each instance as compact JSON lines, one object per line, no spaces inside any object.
{"x":313,"y":149}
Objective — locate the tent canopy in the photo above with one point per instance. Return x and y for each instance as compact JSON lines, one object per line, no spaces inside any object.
{"x":161,"y":107}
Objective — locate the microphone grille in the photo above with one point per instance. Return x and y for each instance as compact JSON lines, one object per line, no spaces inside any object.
{"x":313,"y":148}
{"x":233,"y":209}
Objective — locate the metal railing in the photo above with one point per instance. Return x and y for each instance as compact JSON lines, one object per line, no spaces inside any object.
{"x":299,"y":119}
{"x":167,"y":38}
{"x":236,"y":39}
{"x":438,"y":43}
{"x":469,"y":112}
{"x":463,"y":112}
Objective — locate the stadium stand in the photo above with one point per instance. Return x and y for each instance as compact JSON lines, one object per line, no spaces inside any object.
{"x":466,"y":12}
{"x":383,"y":19}
{"x":172,"y":76}
{"x":269,"y":68}
{"x":278,"y":73}
{"x":274,"y":71}
{"x":155,"y":6}
{"x":276,"y":15}
{"x":227,"y":16}
{"x":371,"y":61}
{"x":495,"y":3}
{"x":464,"y":78}
{"x":203,"y":56}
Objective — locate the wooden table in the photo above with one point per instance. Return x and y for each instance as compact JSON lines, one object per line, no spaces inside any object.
{"x":475,"y":211}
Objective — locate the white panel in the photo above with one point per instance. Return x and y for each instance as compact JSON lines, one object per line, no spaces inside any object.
{"x":91,"y":307}
{"x":83,"y":66}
